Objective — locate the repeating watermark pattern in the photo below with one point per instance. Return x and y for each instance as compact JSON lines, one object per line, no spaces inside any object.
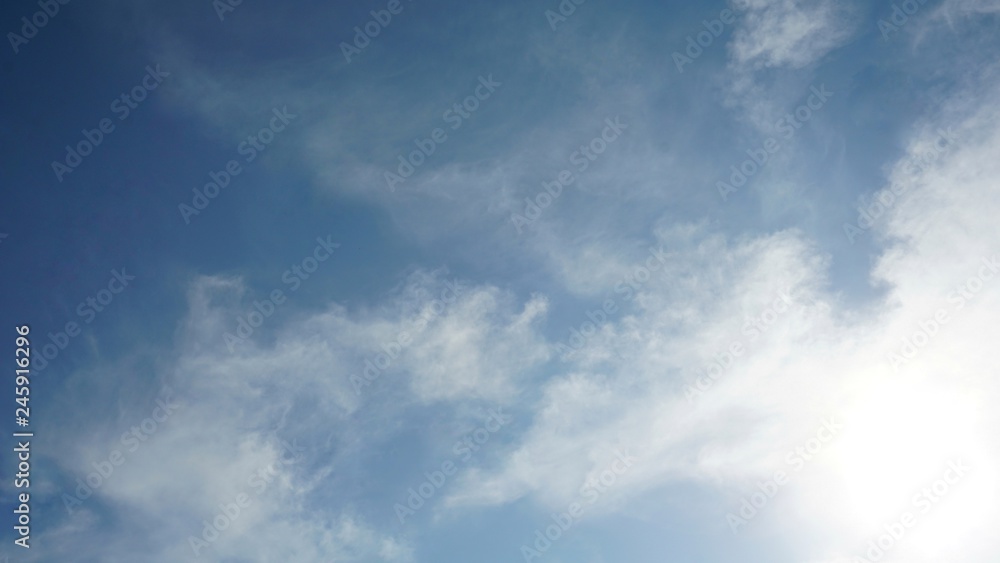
{"x":88,"y":310}
{"x":922,"y":502}
{"x":131,"y":441}
{"x":293,"y":277}
{"x":230,"y":512}
{"x":581,"y":159}
{"x":900,"y":16}
{"x":122,"y":106}
{"x":786,"y":126}
{"x":566,"y":9}
{"x":590,"y":493}
{"x":30,"y":27}
{"x":463,"y":451}
{"x":363,"y":35}
{"x":928,"y":328}
{"x":884,"y":199}
{"x":455,"y":115}
{"x":250,"y":149}
{"x":796,"y":459}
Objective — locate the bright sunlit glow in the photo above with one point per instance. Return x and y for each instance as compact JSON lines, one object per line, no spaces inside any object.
{"x":914,"y":449}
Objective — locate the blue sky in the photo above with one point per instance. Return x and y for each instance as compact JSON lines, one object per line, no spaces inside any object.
{"x":428,"y":281}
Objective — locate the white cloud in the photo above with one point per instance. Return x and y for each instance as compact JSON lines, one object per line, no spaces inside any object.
{"x":819,"y":359}
{"x":625,"y":390}
{"x":789,"y":33}
{"x":248,"y":412}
